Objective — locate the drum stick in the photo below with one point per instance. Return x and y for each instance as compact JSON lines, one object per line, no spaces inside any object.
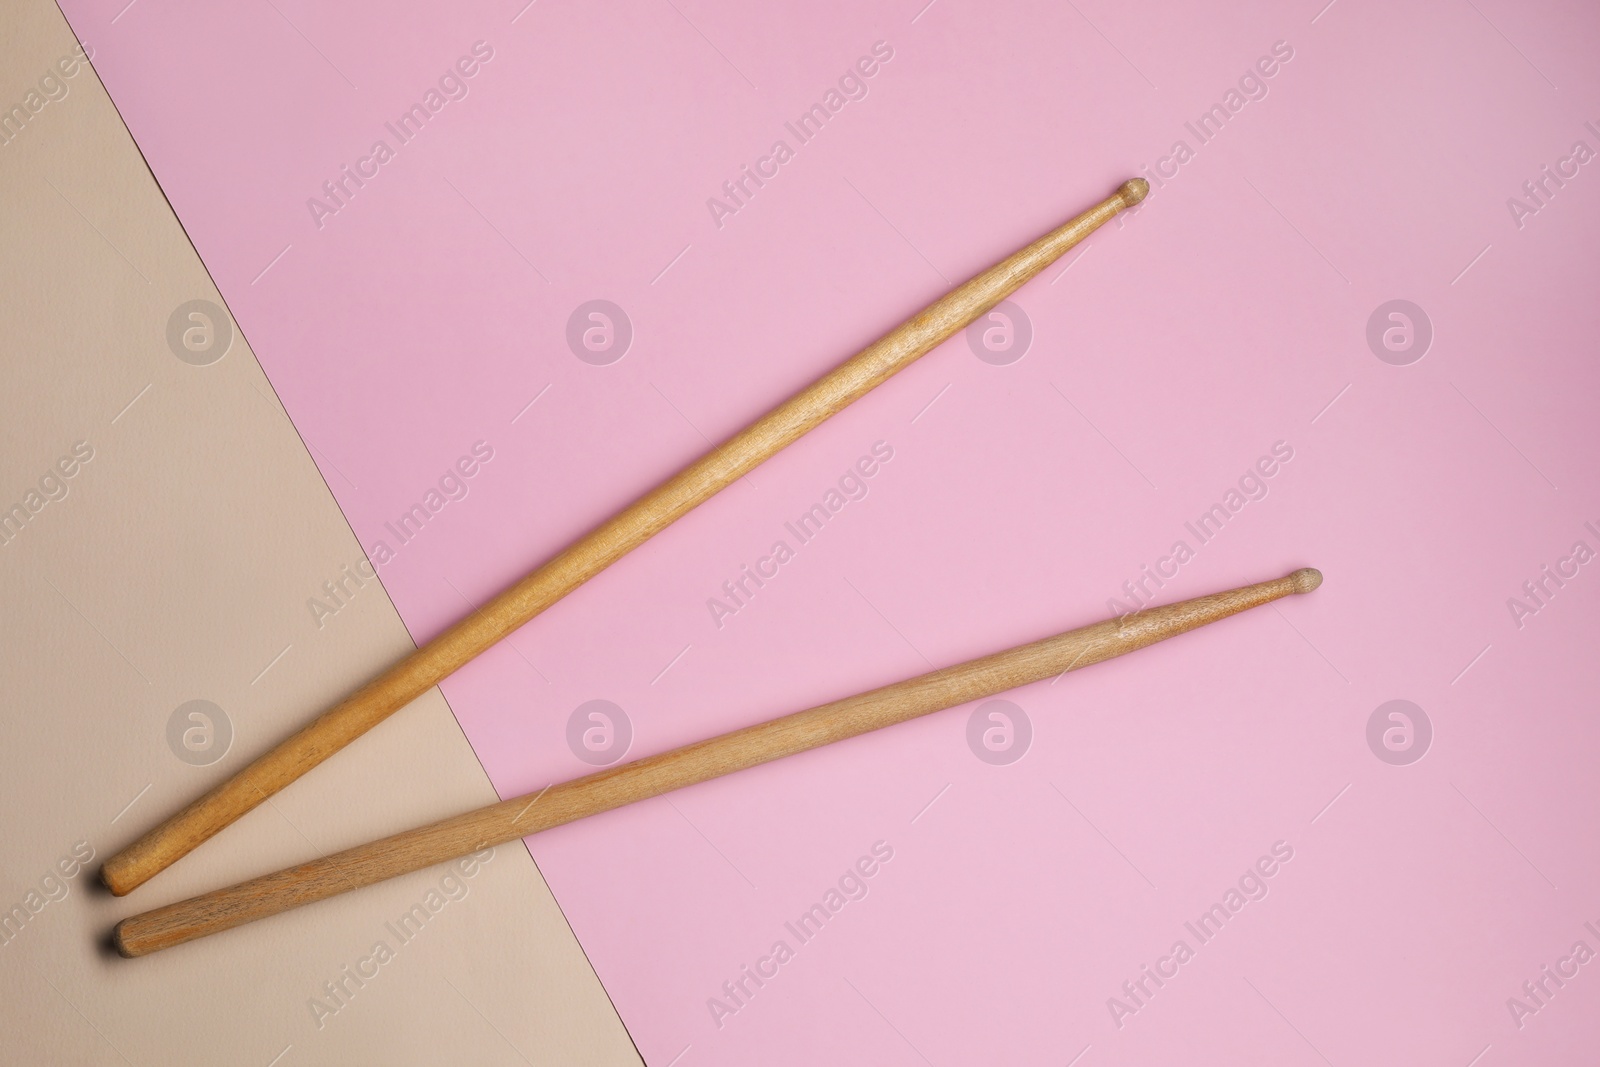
{"x":447,"y":653}
{"x":652,"y":776}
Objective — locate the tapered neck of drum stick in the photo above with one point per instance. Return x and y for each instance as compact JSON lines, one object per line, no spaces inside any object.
{"x":1125,"y":633}
{"x":959,"y":307}
{"x":1016,"y":269}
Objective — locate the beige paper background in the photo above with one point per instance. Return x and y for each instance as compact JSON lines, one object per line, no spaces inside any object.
{"x":177,"y":567}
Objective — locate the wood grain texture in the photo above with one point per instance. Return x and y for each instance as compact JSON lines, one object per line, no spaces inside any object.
{"x":699,"y":762}
{"x":723,"y":465}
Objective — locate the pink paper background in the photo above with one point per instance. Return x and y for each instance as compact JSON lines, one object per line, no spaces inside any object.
{"x":1228,"y":314}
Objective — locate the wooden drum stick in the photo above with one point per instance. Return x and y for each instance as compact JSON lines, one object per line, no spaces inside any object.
{"x":445,"y":654}
{"x":413,"y":850}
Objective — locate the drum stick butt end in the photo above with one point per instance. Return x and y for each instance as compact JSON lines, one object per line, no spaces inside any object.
{"x":117,"y":942}
{"x":119,"y":883}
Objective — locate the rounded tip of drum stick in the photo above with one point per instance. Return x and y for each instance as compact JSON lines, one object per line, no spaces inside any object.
{"x":1306,"y":579}
{"x":1134,"y":190}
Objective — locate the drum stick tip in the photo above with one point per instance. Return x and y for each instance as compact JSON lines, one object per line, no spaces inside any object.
{"x":1134,"y":190}
{"x":1306,"y":579}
